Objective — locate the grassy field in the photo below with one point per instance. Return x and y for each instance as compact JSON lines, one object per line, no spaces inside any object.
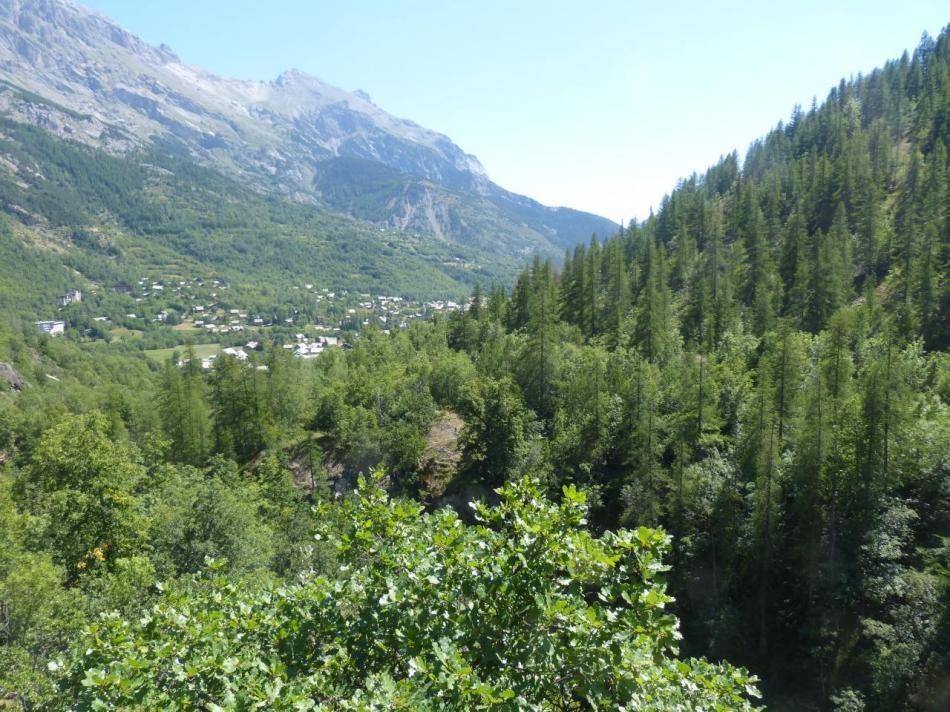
{"x":122,"y":334}
{"x":201,"y":350}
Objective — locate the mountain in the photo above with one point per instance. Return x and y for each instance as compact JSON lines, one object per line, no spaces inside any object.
{"x":742,"y":403}
{"x":74,"y":216}
{"x":80,"y":76}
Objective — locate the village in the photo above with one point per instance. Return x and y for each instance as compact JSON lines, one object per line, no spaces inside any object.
{"x":208,"y":312}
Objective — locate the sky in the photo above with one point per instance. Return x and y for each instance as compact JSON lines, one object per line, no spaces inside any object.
{"x":601,"y":106}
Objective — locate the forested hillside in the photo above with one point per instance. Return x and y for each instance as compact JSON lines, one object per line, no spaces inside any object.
{"x":131,"y":578}
{"x":720,"y":435}
{"x":109,"y":219}
{"x":761,"y":369}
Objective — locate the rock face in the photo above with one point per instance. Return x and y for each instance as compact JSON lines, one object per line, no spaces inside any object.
{"x":442,"y":454}
{"x":79,"y":75}
{"x":11,"y":378}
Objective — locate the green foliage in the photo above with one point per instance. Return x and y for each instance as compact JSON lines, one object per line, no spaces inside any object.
{"x":37,"y":616}
{"x":377,"y":402}
{"x":167,"y":215}
{"x":760,"y":368}
{"x":184,"y":410}
{"x":81,"y":482}
{"x":202,"y":515}
{"x":523,"y":610}
{"x":493,"y":441}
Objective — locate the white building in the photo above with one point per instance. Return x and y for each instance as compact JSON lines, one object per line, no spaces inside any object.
{"x":73,"y":296}
{"x":235,"y":351}
{"x":53,"y":328}
{"x":207,"y":362}
{"x":308,"y":351}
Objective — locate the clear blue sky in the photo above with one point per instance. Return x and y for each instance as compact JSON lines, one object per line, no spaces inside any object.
{"x":596,"y":105}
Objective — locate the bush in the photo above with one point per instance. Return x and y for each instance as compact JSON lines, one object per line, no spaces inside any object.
{"x":525,"y":610}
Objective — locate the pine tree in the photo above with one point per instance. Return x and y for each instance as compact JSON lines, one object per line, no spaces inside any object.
{"x":684,"y":251}
{"x":242,"y":418}
{"x":927,"y":270}
{"x":617,"y":287}
{"x":653,"y":326}
{"x":791,"y":267}
{"x":539,"y":361}
{"x":477,"y":302}
{"x":593,"y":280}
{"x":184,"y":411}
{"x":574,"y":293}
{"x":645,"y":490}
{"x":498,"y":304}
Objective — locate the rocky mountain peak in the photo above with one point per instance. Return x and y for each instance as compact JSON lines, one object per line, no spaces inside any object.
{"x":50,"y":21}
{"x":82,"y":76}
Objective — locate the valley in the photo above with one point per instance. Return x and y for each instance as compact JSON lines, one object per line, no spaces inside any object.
{"x":300,"y":411}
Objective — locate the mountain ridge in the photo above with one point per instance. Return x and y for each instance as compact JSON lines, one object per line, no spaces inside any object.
{"x":81,"y":76}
